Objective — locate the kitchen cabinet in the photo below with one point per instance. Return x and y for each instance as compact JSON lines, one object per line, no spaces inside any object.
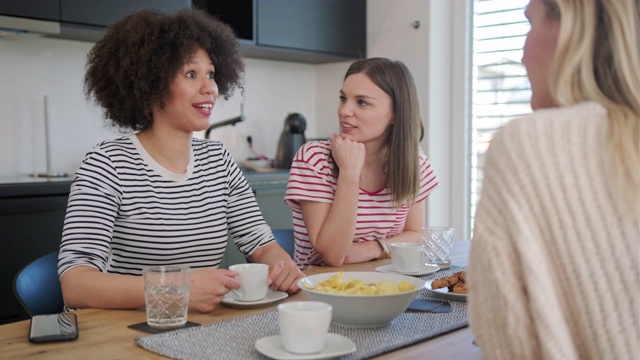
{"x":81,"y":19}
{"x":312,"y":31}
{"x":326,"y":26}
{"x":269,"y":189}
{"x":31,"y":220}
{"x":35,"y":9}
{"x":99,"y":13}
{"x":105,"y":12}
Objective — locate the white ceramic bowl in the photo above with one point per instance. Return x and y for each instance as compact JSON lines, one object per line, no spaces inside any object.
{"x":364,"y":310}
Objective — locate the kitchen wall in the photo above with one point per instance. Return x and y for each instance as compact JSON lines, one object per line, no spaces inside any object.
{"x":435,"y":53}
{"x":33,"y":68}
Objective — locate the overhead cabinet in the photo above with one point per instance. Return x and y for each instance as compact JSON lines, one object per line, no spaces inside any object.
{"x":35,"y":9}
{"x":313,"y":31}
{"x":102,"y":13}
{"x":329,"y":26}
{"x":83,"y":20}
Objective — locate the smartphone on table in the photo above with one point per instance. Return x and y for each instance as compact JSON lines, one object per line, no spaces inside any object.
{"x":53,"y":327}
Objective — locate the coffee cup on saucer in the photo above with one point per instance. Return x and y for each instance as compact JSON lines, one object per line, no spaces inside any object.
{"x":253,"y":281}
{"x":304,"y":326}
{"x":407,"y":257}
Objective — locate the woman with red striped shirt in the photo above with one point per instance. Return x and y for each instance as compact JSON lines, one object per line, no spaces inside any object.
{"x":364,"y":188}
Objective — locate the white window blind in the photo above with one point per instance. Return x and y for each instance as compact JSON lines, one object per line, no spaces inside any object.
{"x":500,"y":87}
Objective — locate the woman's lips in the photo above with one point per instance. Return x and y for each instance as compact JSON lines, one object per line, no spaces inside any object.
{"x":204,"y":108}
{"x":347,"y":128}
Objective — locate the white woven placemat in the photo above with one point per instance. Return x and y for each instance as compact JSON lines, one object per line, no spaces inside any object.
{"x":235,"y":339}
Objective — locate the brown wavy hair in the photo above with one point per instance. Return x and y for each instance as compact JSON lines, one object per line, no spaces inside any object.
{"x":402,"y":146}
{"x":132,"y":67}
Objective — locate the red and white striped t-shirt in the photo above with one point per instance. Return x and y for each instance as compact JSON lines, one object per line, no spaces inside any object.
{"x":311,"y":178}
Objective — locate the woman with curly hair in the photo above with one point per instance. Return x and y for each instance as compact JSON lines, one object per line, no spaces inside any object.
{"x":554,"y":271}
{"x":160,"y":196}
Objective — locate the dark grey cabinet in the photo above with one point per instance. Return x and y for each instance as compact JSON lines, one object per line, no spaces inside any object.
{"x":34,"y":9}
{"x":105,"y":12}
{"x":99,"y":13}
{"x":83,"y":20}
{"x":328,"y":26}
{"x":312,"y":31}
{"x":31,"y":220}
{"x":269,"y":189}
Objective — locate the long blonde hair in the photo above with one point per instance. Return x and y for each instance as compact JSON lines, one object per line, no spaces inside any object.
{"x":598,"y":59}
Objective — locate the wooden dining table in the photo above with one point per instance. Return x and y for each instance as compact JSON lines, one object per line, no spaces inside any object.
{"x":103,"y":334}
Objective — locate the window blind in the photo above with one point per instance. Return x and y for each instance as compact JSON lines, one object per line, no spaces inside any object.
{"x":500,"y":88}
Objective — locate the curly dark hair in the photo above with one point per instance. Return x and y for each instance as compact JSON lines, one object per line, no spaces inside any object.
{"x":132,"y":67}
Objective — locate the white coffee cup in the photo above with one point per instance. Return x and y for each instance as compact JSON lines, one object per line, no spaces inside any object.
{"x":408,"y":257}
{"x":253,"y":281}
{"x":304,"y":326}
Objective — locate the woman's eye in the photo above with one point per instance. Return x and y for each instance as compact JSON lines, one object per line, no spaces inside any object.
{"x":211,"y":75}
{"x":342,"y":98}
{"x":362,"y":103}
{"x":191,"y":74}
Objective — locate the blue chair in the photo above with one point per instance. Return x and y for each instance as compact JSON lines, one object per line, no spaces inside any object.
{"x":284,"y":238}
{"x":37,"y":286}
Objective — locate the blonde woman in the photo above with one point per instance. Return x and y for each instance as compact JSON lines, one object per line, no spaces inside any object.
{"x":554,"y":271}
{"x":353,"y":195}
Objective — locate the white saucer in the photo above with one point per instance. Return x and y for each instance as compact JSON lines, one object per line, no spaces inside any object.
{"x":336,"y":345}
{"x":426,"y":269}
{"x":445,"y":293}
{"x":272,"y":296}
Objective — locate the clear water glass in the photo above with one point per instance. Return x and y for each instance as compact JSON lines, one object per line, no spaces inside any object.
{"x":438,"y":243}
{"x":166,"y":295}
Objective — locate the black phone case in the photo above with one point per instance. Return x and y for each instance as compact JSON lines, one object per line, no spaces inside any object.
{"x":69,"y":320}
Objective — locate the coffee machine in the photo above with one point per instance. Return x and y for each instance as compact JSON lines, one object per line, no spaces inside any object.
{"x":291,"y":139}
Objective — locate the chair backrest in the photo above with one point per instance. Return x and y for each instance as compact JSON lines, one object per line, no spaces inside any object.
{"x":284,"y":238}
{"x":37,"y":286}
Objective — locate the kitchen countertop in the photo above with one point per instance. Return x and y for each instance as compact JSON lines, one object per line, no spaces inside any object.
{"x":29,"y":186}
{"x":267,"y":176}
{"x":20,"y":186}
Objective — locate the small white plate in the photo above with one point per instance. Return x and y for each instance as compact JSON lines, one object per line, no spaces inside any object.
{"x":426,"y":269}
{"x":336,"y":345}
{"x":272,"y":296}
{"x":445,"y":293}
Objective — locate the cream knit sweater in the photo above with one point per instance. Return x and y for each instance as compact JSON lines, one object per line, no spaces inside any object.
{"x":554,"y":271}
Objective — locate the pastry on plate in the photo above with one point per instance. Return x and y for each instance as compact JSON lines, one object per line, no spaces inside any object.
{"x":455,"y":282}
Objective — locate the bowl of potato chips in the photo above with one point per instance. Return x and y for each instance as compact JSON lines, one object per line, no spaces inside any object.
{"x":363,"y":298}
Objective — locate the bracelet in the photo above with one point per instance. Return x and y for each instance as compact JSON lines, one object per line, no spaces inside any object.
{"x":386,"y":253}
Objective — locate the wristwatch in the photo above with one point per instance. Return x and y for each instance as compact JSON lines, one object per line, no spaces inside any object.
{"x":386,"y":253}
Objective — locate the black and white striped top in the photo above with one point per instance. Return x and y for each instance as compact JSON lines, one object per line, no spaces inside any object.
{"x":126,"y":212}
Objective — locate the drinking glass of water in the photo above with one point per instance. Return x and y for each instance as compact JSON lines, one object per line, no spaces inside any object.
{"x":166,"y":295}
{"x":438,"y":243}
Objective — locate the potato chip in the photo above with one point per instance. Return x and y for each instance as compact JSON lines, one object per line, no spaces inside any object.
{"x":336,"y":285}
